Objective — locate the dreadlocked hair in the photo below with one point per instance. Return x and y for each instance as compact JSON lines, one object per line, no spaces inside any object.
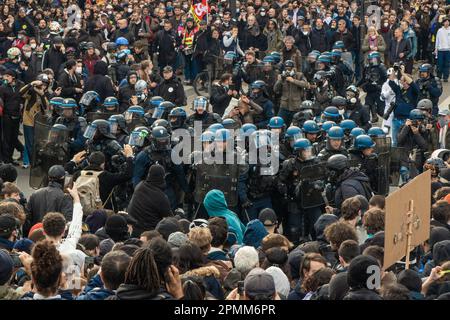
{"x":143,"y":271}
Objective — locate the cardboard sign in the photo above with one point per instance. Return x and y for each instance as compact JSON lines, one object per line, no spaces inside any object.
{"x":396,"y":221}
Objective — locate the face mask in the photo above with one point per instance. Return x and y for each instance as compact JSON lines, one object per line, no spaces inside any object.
{"x":263,"y":14}
{"x":386,"y":24}
{"x":33,"y":46}
{"x":341,"y":112}
{"x":5,"y":82}
{"x":435,"y":7}
{"x":20,"y":37}
{"x":130,"y":10}
{"x":79,"y":70}
{"x":305,"y":33}
{"x":27,"y":54}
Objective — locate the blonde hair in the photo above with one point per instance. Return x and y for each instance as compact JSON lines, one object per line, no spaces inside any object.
{"x":201,"y":237}
{"x":372,"y":28}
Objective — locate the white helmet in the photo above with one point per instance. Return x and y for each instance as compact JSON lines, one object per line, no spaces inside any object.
{"x":13,"y":53}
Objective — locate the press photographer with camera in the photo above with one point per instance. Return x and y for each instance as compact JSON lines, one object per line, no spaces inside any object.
{"x":290,"y":85}
{"x":406,"y":96}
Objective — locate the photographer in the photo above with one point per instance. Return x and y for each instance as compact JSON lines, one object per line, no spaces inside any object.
{"x":290,"y":86}
{"x":413,"y":136}
{"x":406,"y":94}
{"x":430,"y":87}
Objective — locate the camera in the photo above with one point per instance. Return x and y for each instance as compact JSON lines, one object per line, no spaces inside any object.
{"x":16,"y":260}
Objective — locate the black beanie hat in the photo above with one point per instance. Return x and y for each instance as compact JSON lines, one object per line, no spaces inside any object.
{"x":116,"y":228}
{"x":167,"y":226}
{"x":358,"y":274}
{"x":156,"y":176}
{"x":8,"y":173}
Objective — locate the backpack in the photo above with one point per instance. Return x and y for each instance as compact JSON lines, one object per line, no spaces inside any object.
{"x":88,"y":186}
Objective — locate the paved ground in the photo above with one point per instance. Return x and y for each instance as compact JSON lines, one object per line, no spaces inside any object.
{"x":22,"y":179}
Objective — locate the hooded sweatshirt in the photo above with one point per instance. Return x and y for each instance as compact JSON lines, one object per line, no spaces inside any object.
{"x":149,"y":203}
{"x":216,"y":206}
{"x":99,"y":82}
{"x":254,"y":233}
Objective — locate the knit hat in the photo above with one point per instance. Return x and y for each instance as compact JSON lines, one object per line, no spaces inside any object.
{"x":281,"y":281}
{"x":96,"y":220}
{"x":156,"y":176}
{"x":6,"y":267}
{"x":259,"y":283}
{"x":357,"y":275}
{"x":37,"y":226}
{"x":116,"y":228}
{"x":24,"y":245}
{"x":177,"y":239}
{"x":8,"y":173}
{"x":438,"y":234}
{"x":105,"y":246}
{"x":167,"y":226}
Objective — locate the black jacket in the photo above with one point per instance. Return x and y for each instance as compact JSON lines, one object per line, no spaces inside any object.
{"x":149,"y":204}
{"x":350,"y":184}
{"x":346,"y":37}
{"x":319,"y":40}
{"x":219,"y":99}
{"x":49,"y":199}
{"x":54,"y":60}
{"x":99,"y":82}
{"x":68,"y":84}
{"x":362,"y":294}
{"x":171,"y":90}
{"x":10,"y":95}
{"x":165,"y":44}
{"x":134,"y":292}
{"x":125,"y":94}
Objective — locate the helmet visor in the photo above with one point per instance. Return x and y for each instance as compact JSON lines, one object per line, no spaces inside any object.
{"x":114,"y":127}
{"x":306,"y":154}
{"x":137,"y":138}
{"x":158,"y":113}
{"x":90,"y":132}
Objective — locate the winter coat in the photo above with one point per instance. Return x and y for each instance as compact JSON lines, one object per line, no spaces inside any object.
{"x":49,"y":199}
{"x":295,"y":55}
{"x":274,"y":39}
{"x":219,"y":98}
{"x":346,"y":37}
{"x":99,"y":82}
{"x":319,"y":40}
{"x":253,"y":38}
{"x":216,"y":206}
{"x":350,"y":184}
{"x":166,"y":42}
{"x":68,"y":84}
{"x":54,"y":60}
{"x":210,"y":276}
{"x":362,"y":294}
{"x":11,"y":98}
{"x":381,"y":45}
{"x":292,"y":93}
{"x":395,"y":48}
{"x":171,"y":90}
{"x":149,"y":203}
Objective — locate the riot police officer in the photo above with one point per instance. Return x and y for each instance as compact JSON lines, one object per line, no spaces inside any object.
{"x":374,"y":76}
{"x":134,"y":117}
{"x":119,"y":128}
{"x":89,"y":102}
{"x":347,"y":125}
{"x":293,"y":133}
{"x":159,"y":151}
{"x":323,"y":91}
{"x":306,"y":113}
{"x":139,"y":139}
{"x":363,"y":156}
{"x":177,"y":118}
{"x":55,"y":109}
{"x":200,"y":106}
{"x":334,"y":144}
{"x":110,"y":105}
{"x":331,"y":113}
{"x":261,"y":178}
{"x":430,"y":87}
{"x":100,"y":138}
{"x":312,"y":132}
{"x":301,"y":183}
{"x":354,"y":109}
{"x":258,"y":95}
{"x":75,"y":125}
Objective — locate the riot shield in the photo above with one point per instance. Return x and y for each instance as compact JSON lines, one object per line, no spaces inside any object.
{"x":50,"y":148}
{"x":397,"y":156}
{"x":312,"y":185}
{"x":38,"y":171}
{"x":383,"y":150}
{"x":92,"y":116}
{"x":223,"y":177}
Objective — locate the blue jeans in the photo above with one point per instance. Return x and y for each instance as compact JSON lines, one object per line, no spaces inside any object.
{"x":28,"y":133}
{"x":190,"y":68}
{"x":443,"y":62}
{"x":396,"y":125}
